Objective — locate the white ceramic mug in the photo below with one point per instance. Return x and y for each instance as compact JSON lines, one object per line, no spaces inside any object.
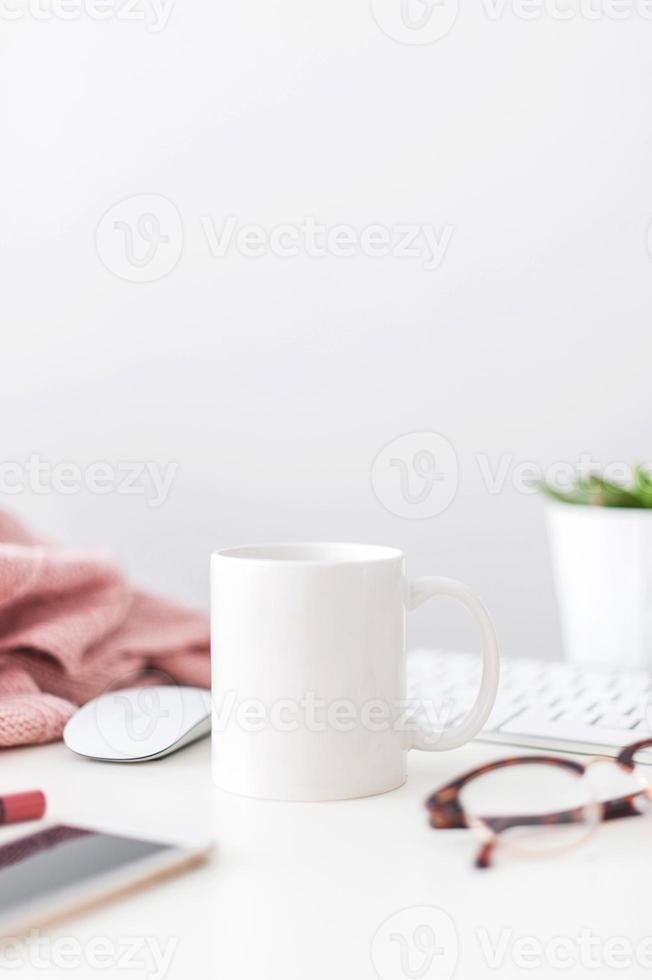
{"x":308,"y":654}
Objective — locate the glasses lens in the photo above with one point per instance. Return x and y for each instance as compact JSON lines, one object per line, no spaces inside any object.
{"x":625,"y":792}
{"x":532,"y":807}
{"x":642,"y":801}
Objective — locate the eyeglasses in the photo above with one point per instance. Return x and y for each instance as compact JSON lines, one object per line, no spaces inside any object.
{"x":547,"y":804}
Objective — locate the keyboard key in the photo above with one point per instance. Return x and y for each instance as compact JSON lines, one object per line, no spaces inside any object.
{"x":552,"y":731}
{"x":583,"y":702}
{"x":643,"y":727}
{"x":625,"y":703}
{"x":586,"y":717}
{"x":635,"y":717}
{"x":615,"y":720}
{"x":499,"y":715}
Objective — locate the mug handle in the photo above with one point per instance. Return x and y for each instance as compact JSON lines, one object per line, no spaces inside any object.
{"x":420,"y":589}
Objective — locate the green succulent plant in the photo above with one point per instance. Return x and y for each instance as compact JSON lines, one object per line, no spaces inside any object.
{"x":595,"y":491}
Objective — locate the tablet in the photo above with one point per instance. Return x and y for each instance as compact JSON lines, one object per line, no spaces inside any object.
{"x":62,"y":869}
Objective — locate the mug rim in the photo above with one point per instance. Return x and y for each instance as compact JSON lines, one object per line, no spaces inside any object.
{"x":315,"y":553}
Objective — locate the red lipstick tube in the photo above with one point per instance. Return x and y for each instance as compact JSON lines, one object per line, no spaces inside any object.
{"x":22,"y":806}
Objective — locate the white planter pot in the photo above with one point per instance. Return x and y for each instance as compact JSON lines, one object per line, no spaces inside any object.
{"x":602,"y":561}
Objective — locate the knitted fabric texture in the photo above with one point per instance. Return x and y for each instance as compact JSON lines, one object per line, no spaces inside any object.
{"x":71,"y":627}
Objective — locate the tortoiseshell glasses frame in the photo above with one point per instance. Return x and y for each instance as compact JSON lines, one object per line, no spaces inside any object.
{"x":446,"y":811}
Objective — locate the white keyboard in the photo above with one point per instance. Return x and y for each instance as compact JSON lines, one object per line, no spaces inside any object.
{"x":542,"y":705}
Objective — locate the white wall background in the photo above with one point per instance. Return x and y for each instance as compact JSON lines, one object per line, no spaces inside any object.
{"x":273,"y":383}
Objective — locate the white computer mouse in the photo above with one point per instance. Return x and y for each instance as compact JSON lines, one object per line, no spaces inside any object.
{"x":140,"y":723}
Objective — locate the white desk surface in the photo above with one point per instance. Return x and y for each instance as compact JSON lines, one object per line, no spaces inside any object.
{"x":299,"y":890}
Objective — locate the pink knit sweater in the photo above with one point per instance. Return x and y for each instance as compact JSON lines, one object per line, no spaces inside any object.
{"x":71,"y":627}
